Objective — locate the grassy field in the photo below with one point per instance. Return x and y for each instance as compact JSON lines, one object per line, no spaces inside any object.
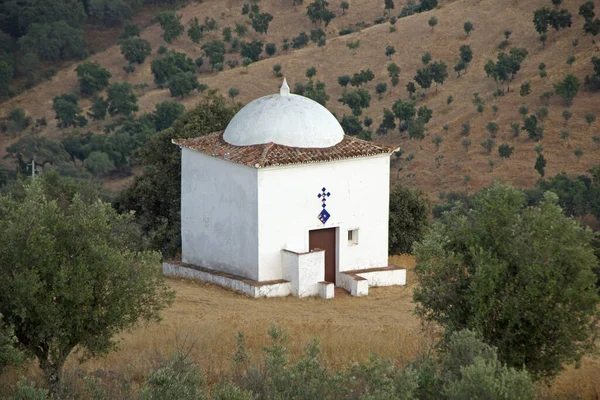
{"x":206,"y":319}
{"x":412,"y":38}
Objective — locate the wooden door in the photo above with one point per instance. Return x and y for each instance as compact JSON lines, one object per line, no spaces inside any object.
{"x":324,"y":239}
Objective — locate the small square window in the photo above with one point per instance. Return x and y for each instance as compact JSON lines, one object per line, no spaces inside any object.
{"x":352,"y":237}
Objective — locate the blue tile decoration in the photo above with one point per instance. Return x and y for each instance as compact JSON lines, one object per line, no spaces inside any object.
{"x":323,"y":215}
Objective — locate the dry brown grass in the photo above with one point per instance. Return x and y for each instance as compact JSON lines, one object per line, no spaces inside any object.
{"x":349,"y":329}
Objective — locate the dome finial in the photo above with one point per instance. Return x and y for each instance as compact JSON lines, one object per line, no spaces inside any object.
{"x":285,"y":89}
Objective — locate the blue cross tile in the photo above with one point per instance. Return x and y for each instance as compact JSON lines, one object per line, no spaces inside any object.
{"x":324,"y":216}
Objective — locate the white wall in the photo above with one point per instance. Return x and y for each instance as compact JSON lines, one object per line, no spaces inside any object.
{"x":219,"y":214}
{"x":288,"y":207}
{"x":304,"y":271}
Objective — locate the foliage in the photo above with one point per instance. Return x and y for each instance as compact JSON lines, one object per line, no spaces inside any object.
{"x":171,"y":25}
{"x":362,"y":78}
{"x":195,"y":31}
{"x":344,"y":80}
{"x":98,"y":164}
{"x":590,"y":118}
{"x":252,"y":50}
{"x":155,"y":195}
{"x":505,"y":150}
{"x":270,"y":49}
{"x":468,"y":27}
{"x":135,"y":49}
{"x":67,"y":110}
{"x":121,"y":99}
{"x":567,"y":88}
{"x":173,"y":63}
{"x":507,"y":66}
{"x":129,"y":31}
{"x":74,"y":255}
{"x":53,"y":41}
{"x":6,"y":75}
{"x":182,"y":83}
{"x":356,"y":100}
{"x":519,"y":276}
{"x":409,"y":211}
{"x":92,"y":77}
{"x":318,"y":12}
{"x":260,"y":22}
{"x":215,"y":51}
{"x":108,"y":12}
{"x":592,"y":82}
{"x":98,"y":109}
{"x":433,"y":21}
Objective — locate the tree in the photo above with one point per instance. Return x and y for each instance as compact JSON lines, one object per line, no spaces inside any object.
{"x":590,"y":118}
{"x":53,"y":41}
{"x":166,"y":113}
{"x":351,"y":125}
{"x":476,"y":268}
{"x":130,"y":30}
{"x":156,"y":194}
{"x":488,"y":144}
{"x":466,"y":55}
{"x":121,"y":99}
{"x":171,"y":25}
{"x":356,"y":100}
{"x":424,"y":77}
{"x":182,"y":83}
{"x":195,"y":30}
{"x":409,"y":211}
{"x":261,"y":21}
{"x":135,"y":49}
{"x":578,"y":151}
{"x":388,"y":121}
{"x":433,"y":21}
{"x":525,"y":88}
{"x":311,"y":72}
{"x":318,"y":12}
{"x":492,"y":128}
{"x":390,"y":51}
{"x":567,"y":88}
{"x":388,"y":5}
{"x":560,"y":19}
{"x":404,"y":111}
{"x":39,"y":148}
{"x":278,"y":74}
{"x":426,"y":59}
{"x":540,"y":165}
{"x":116,"y":290}
{"x":344,"y":5}
{"x":215,"y":51}
{"x":6,"y":75}
{"x":468,"y":27}
{"x":270,"y":49}
{"x":353,"y":45}
{"x":466,"y":143}
{"x":394,"y":73}
{"x":92,"y":77}
{"x":98,"y":164}
{"x":439,"y":73}
{"x":233,"y":93}
{"x":437,"y":141}
{"x":98,"y":109}
{"x":505,"y":150}
{"x":252,"y":50}
{"x":380,"y":89}
{"x":171,"y":64}
{"x":541,"y":20}
{"x":67,"y":110}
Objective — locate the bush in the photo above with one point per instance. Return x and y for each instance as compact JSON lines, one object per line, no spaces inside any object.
{"x":92,"y":77}
{"x":409,"y":211}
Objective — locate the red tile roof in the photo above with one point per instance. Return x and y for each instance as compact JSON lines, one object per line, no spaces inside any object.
{"x":271,"y":154}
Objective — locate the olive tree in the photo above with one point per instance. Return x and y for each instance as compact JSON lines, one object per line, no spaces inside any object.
{"x":409,"y":211}
{"x":519,"y":276}
{"x":75,"y":276}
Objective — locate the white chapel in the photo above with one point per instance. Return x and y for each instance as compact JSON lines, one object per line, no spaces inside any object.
{"x":283,"y":203}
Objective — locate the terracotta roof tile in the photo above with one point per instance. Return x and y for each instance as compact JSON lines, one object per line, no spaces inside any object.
{"x":271,"y":154}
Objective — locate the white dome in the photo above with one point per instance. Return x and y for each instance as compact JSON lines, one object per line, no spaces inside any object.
{"x":285,"y":119}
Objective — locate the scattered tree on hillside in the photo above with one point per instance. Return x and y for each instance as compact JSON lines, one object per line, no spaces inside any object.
{"x":252,"y":50}
{"x":356,"y":100}
{"x":362,"y":78}
{"x":388,"y":122}
{"x":426,"y":58}
{"x":261,"y":21}
{"x":394,"y":74}
{"x":409,"y":211}
{"x":215,"y":51}
{"x":311,"y":72}
{"x":492,"y":128}
{"x":388,"y":5}
{"x":98,"y":164}
{"x":531,"y":127}
{"x":592,"y":82}
{"x":194,"y":31}
{"x":130,"y":30}
{"x":380,"y":89}
{"x":472,"y":274}
{"x":507,"y":66}
{"x":270,"y":49}
{"x":54,"y":41}
{"x":98,"y":109}
{"x":433,"y":21}
{"x":466,"y":143}
{"x":171,"y":25}
{"x":121,"y":99}
{"x":344,"y":80}
{"x":505,"y":150}
{"x":567,"y":114}
{"x":540,"y":165}
{"x":278,"y":74}
{"x":344,"y":5}
{"x":567,"y":88}
{"x":578,"y":152}
{"x":233,"y":93}
{"x":36,"y":148}
{"x":68,"y":112}
{"x":590,"y":118}
{"x":173,"y":63}
{"x":182,"y":83}
{"x":439,"y":73}
{"x":92,"y":77}
{"x":353,"y":45}
{"x":166,"y":113}
{"x":116,"y":290}
{"x":468,"y":27}
{"x":318,"y":12}
{"x":390,"y":51}
{"x":525,"y":88}
{"x":135,"y":49}
{"x":488,"y":144}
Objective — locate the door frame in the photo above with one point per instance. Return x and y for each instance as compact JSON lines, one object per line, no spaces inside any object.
{"x":337,"y":244}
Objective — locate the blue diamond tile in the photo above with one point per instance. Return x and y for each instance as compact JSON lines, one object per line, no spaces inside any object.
{"x":324,"y":216}
{"x":319,"y":195}
{"x":324,"y":205}
{"x":323,"y":190}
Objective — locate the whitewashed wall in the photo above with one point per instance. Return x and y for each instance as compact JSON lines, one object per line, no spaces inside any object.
{"x":219,"y":214}
{"x":288,"y":207}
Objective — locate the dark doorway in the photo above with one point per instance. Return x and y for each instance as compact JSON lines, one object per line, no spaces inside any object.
{"x":324,"y":239}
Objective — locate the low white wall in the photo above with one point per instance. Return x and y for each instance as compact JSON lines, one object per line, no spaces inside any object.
{"x":304,"y":271}
{"x":356,"y":285}
{"x":326,"y":290}
{"x":385,"y":278}
{"x":273,"y":290}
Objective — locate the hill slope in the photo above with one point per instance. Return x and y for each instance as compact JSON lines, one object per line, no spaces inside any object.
{"x":412,"y":38}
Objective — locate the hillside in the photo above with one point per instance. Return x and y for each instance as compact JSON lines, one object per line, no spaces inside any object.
{"x":412,"y":38}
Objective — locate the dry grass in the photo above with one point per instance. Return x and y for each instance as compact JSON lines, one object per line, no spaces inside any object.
{"x":412,"y":38}
{"x":348,"y":329}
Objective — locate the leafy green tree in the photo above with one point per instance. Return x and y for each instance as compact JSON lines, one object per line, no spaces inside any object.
{"x":390,"y":51}
{"x":92,"y":77}
{"x":540,"y":165}
{"x":578,"y":152}
{"x":466,"y":129}
{"x":388,"y":5}
{"x":270,"y":49}
{"x":437,"y":141}
{"x":531,"y":127}
{"x":362,"y":78}
{"x":439,"y":73}
{"x":466,"y":143}
{"x":39,"y":148}
{"x":541,"y":20}
{"x":492,"y":128}
{"x":171,"y":25}
{"x":194,"y":31}
{"x":98,"y":109}
{"x":468,"y":27}
{"x":388,"y":122}
{"x":505,"y":150}
{"x":135,"y":49}
{"x":380,"y":89}
{"x":404,"y":111}
{"x":182,"y":83}
{"x":523,"y":110}
{"x":278,"y":74}
{"x":67,"y":110}
{"x":9,"y":355}
{"x":260,"y":22}
{"x":318,"y":12}
{"x":525,"y":88}
{"x":541,"y":113}
{"x":409,"y":212}
{"x":433,"y":21}
{"x":357,"y":100}
{"x":6,"y":75}
{"x":344,"y":80}
{"x":311,"y":72}
{"x":476,"y":270}
{"x":466,"y":54}
{"x":30,"y":64}
{"x":488,"y":144}
{"x":156,"y":194}
{"x":426,"y":59}
{"x":121,"y":99}
{"x":57,"y":272}
{"x":54,"y":41}
{"x":344,"y":5}
{"x":424,"y":78}
{"x":252,"y":50}
{"x":351,"y":125}
{"x":98,"y":164}
{"x":590,"y":118}
{"x":215,"y":51}
{"x":108,"y":12}
{"x":166,"y":113}
{"x":567,"y":88}
{"x":567,"y":114}
{"x":233,"y":93}
{"x":394,"y":73}
{"x":129,"y":31}
{"x":171,"y":64}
